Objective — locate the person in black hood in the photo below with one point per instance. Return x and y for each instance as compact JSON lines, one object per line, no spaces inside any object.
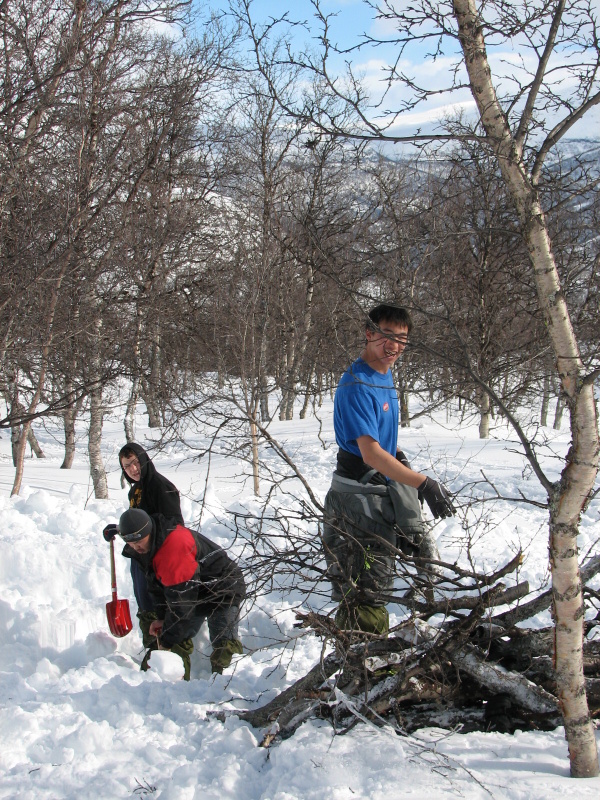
{"x":154,"y":494}
{"x":150,"y":490}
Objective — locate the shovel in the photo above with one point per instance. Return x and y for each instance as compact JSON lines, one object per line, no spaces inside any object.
{"x":117,"y":611}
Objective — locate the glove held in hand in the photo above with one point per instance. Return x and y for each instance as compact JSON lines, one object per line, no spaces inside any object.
{"x":110,"y":532}
{"x":437,"y":497}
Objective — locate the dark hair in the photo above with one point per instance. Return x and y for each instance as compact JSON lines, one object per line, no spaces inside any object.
{"x":127,"y":452}
{"x":386,"y":313}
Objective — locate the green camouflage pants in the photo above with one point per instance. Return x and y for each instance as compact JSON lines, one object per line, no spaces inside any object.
{"x":365,"y":527}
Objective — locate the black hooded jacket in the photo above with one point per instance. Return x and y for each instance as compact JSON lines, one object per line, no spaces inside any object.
{"x":153,"y":493}
{"x":188,"y":576}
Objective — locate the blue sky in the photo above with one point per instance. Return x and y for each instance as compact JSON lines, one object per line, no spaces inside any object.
{"x":352,"y":18}
{"x":349,"y":20}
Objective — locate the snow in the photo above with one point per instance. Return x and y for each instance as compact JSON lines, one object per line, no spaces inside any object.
{"x":79,"y":720}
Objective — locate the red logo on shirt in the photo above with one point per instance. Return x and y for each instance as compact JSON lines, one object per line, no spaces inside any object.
{"x":386,"y":406}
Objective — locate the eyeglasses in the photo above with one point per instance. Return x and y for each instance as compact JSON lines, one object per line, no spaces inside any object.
{"x":390,"y":337}
{"x":399,"y":338}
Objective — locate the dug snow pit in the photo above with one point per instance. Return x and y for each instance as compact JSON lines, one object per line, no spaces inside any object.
{"x":166,"y":664}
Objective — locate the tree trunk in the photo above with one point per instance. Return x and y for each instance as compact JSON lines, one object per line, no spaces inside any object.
{"x":287,"y":389}
{"x":15,"y":438}
{"x":129,"y":420}
{"x":69,"y":418}
{"x":558,"y":412}
{"x":307,"y":394}
{"x":254,"y":438}
{"x":11,"y":397}
{"x":97,"y":470}
{"x":569,"y":497}
{"x":262,"y":377}
{"x":34,"y":444}
{"x":404,"y":410}
{"x":545,"y":401}
{"x":19,"y":458}
{"x":484,"y":415}
{"x":155,"y":382}
{"x":17,"y":408}
{"x":402,"y":397}
{"x":154,"y":419}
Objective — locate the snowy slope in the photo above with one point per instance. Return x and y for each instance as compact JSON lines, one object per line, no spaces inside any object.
{"x":80,"y":721}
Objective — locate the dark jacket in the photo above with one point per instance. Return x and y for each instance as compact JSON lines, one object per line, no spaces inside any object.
{"x":153,"y":493}
{"x":189,"y":577}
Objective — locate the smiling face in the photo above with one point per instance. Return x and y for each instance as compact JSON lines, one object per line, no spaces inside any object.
{"x":385,"y":345}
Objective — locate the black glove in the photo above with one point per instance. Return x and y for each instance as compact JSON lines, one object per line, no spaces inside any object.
{"x":145,"y":666}
{"x":437,"y":498}
{"x":402,"y":458}
{"x":110,"y":532}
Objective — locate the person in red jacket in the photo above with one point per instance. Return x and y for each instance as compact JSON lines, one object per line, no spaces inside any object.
{"x":190,"y":579}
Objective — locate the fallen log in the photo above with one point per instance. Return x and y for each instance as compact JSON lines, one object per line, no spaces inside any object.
{"x":464,"y":655}
{"x":475,"y":668}
{"x":471,"y":660}
{"x":414,"y":682}
{"x":499,"y":680}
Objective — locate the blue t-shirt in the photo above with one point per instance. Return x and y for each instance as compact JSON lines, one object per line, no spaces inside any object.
{"x":365,"y":404}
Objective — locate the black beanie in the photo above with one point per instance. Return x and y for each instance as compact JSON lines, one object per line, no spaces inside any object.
{"x":135,"y":524}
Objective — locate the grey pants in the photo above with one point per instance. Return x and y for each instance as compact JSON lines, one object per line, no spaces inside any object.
{"x":222,"y":624}
{"x":365,"y":527}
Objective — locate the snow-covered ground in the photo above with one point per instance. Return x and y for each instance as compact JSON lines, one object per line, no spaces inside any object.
{"x":80,"y":721}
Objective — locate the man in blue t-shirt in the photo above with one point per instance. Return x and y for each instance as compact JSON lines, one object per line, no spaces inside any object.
{"x":372,"y":508}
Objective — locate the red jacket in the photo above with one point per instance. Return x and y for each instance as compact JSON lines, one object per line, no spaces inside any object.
{"x":188,"y":577}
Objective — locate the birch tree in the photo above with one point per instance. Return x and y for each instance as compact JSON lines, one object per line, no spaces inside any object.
{"x":569,"y":496}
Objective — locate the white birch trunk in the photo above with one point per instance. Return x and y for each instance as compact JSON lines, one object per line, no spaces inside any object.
{"x":129,"y":420}
{"x":97,"y":470}
{"x":545,"y":401}
{"x":567,"y":498}
{"x":255,"y":471}
{"x":484,"y":415}
{"x":69,"y":417}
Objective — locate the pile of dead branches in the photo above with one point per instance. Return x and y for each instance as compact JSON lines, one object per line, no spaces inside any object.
{"x":452,"y":662}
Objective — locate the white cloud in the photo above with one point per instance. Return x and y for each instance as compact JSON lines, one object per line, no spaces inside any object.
{"x":430,"y":116}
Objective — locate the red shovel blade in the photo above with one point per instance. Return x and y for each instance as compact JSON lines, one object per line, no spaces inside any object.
{"x":117,"y":611}
{"x":119,"y":618}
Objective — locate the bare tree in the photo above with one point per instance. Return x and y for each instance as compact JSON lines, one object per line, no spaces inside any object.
{"x":95,"y":143}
